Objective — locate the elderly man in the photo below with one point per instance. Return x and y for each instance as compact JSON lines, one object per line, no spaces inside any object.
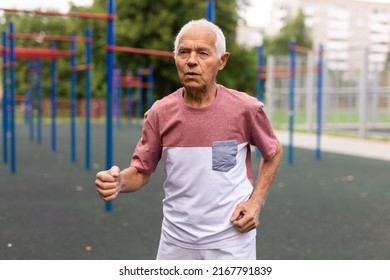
{"x":202,"y":133}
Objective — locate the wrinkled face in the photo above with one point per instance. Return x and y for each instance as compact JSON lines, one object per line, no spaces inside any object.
{"x":197,"y":61}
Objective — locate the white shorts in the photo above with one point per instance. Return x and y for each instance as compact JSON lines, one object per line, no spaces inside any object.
{"x":169,"y":251}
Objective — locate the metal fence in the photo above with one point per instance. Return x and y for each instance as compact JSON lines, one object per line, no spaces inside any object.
{"x":355,"y":101}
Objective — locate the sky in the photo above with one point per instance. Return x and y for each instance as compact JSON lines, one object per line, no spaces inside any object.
{"x":256,"y":15}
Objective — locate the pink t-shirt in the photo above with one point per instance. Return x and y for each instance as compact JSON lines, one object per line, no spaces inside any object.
{"x":207,"y":158}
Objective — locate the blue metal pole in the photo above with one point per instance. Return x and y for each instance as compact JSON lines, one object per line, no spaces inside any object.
{"x":88,"y":49}
{"x":110,"y":73}
{"x":12,"y":91}
{"x":319,"y":101}
{"x":211,"y":10}
{"x":114,"y":95}
{"x":260,"y":65}
{"x":129,"y":91}
{"x":26,"y":102}
{"x":39,"y":101}
{"x":53,"y":66}
{"x":30,"y":117}
{"x":150,"y":87}
{"x":139,"y":95}
{"x":5,"y":100}
{"x":73,"y":99}
{"x":291,"y":103}
{"x":118,"y":96}
{"x":260,"y":81}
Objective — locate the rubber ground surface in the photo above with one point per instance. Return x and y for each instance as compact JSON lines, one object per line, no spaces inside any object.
{"x":335,"y":208}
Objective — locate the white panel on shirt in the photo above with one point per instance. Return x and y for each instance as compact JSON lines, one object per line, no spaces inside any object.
{"x":199,"y":201}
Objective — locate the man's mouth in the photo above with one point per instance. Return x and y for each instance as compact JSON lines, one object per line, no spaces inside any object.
{"x":191,"y":74}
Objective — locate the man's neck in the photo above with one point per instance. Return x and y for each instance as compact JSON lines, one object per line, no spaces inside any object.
{"x":199,"y":99}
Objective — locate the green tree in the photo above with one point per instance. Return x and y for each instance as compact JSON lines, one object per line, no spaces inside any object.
{"x":294,"y":29}
{"x":153,"y":25}
{"x":44,"y":25}
{"x":145,"y":24}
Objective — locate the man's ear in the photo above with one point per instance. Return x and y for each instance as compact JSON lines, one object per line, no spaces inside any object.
{"x":224,"y":60}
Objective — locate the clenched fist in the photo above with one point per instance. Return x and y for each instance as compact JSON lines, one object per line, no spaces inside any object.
{"x":108,"y":183}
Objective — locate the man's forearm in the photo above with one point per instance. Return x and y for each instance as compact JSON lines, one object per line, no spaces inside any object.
{"x":132,"y":180}
{"x":267,"y":173}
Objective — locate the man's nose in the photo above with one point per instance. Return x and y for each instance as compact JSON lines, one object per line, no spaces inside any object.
{"x":192,"y":59}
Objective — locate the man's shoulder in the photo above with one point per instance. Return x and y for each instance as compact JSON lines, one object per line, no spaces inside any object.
{"x":239,"y":97}
{"x":168,"y":100}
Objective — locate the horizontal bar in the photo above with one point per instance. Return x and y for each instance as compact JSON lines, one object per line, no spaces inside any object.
{"x":146,"y":71}
{"x":54,"y":13}
{"x":50,"y":37}
{"x":92,"y":15}
{"x":281,"y":68}
{"x":139,"y":51}
{"x":275,"y":75}
{"x":134,"y":82}
{"x":300,"y":49}
{"x":277,"y":67}
{"x":44,"y":53}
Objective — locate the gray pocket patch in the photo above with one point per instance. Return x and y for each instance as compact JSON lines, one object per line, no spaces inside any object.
{"x":224,"y":155}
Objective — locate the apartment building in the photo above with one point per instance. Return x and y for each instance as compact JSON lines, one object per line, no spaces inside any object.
{"x":344,"y":27}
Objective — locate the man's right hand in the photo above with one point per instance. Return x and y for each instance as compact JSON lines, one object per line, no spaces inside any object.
{"x":108,"y":183}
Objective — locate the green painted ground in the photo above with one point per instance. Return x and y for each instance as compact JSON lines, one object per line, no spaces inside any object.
{"x":336,"y":208}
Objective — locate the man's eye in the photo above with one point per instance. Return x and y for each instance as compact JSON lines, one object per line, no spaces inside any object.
{"x":183,"y":51}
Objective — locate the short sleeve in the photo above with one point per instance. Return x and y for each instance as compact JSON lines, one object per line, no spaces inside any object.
{"x":147,"y":153}
{"x":262,"y":134}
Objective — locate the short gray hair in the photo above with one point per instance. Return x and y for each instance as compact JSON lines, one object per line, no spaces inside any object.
{"x":220,"y":41}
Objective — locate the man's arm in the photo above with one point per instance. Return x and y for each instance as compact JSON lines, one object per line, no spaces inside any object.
{"x":246,"y":215}
{"x":111,"y":182}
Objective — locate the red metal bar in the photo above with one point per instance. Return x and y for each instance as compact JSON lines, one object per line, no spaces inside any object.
{"x":134,"y":82}
{"x":92,"y":15}
{"x":43,"y":53}
{"x":276,"y":69}
{"x":50,"y":37}
{"x":54,"y":13}
{"x":301,"y":49}
{"x":140,"y":51}
{"x":277,"y":75}
{"x":304,"y":69}
{"x":20,"y":98}
{"x":144,"y":71}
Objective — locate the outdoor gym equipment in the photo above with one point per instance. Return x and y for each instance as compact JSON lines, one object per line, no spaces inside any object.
{"x":51,"y":54}
{"x":289,"y":71}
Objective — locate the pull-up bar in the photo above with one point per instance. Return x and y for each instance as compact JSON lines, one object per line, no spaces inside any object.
{"x":110,"y":17}
{"x":44,"y":37}
{"x":289,"y":71}
{"x":140,"y":51}
{"x":51,"y":54}
{"x":5,"y":103}
{"x":130,"y":82}
{"x":70,"y":14}
{"x":54,"y":54}
{"x":32,"y":52}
